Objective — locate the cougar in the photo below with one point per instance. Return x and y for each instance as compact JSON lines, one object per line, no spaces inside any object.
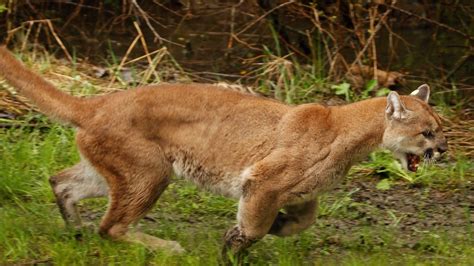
{"x":274,"y":158}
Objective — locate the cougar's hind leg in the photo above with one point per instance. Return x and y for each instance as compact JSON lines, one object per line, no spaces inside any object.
{"x":74,"y":184}
{"x":129,"y":202}
{"x":297,"y":218}
{"x":137,"y":173}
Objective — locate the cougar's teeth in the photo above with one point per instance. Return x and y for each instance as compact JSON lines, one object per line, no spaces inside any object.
{"x":413,"y":162}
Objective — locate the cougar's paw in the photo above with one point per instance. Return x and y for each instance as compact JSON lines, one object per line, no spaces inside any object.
{"x":154,"y":243}
{"x":172,"y":246}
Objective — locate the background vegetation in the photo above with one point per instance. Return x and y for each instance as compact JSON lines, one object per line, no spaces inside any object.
{"x":296,"y":51}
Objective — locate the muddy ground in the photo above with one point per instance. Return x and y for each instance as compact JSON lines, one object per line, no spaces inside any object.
{"x":355,"y":217}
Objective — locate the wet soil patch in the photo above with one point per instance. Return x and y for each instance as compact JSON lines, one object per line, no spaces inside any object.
{"x":418,"y":206}
{"x":405,"y":218}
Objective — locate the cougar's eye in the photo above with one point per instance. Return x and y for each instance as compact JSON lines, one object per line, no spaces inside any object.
{"x":428,"y":134}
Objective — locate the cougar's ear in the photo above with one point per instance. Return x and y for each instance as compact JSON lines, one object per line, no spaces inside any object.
{"x":422,"y":92}
{"x":395,"y":108}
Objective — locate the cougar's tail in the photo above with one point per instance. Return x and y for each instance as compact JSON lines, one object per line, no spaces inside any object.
{"x":49,"y":100}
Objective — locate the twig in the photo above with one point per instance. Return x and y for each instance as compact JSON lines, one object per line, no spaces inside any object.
{"x":317,"y":23}
{"x":232,"y":24}
{"x":454,"y":90}
{"x":263,"y":16}
{"x":245,"y":43}
{"x":28,"y":31}
{"x":157,"y":2}
{"x":457,"y":65}
{"x":357,"y":32}
{"x":372,"y":36}
{"x":58,"y":40}
{"x":148,"y":23}
{"x":48,"y":22}
{"x":218,"y":74}
{"x":143,"y":56}
{"x":373,"y":15}
{"x":391,"y":32}
{"x":129,"y":50}
{"x":38,"y":30}
{"x":10,"y":9}
{"x":151,"y":69}
{"x":468,"y":36}
{"x":328,"y":18}
{"x":145,"y":48}
{"x":74,"y":14}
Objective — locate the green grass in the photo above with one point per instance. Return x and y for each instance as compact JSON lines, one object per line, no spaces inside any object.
{"x":31,"y":230}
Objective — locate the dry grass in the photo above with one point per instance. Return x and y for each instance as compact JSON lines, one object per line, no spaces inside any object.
{"x":460,"y":133}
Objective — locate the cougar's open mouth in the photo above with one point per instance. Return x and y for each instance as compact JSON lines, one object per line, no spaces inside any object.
{"x":413,"y":161}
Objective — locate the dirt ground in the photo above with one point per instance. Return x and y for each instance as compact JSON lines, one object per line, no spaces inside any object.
{"x":421,"y":208}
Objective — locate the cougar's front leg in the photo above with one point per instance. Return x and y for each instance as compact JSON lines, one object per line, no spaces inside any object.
{"x":297,"y":218}
{"x":257,"y":211}
{"x":264,"y":192}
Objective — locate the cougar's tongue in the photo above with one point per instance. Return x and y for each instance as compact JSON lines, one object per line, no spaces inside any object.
{"x":413,"y":162}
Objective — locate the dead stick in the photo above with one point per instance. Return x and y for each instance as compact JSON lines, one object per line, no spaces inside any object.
{"x":331,"y":59}
{"x":145,"y":48}
{"x":263,"y":16}
{"x":129,"y":50}
{"x":58,"y":40}
{"x":143,"y":56}
{"x":148,"y":23}
{"x":23,"y":45}
{"x":232,"y":24}
{"x":74,"y":14}
{"x":373,"y":15}
{"x":457,"y":65}
{"x":371,"y":37}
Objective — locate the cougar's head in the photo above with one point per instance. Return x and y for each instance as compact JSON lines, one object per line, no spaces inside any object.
{"x":413,"y":130}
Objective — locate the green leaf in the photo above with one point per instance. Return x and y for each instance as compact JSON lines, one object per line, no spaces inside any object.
{"x":384,"y":184}
{"x":382,"y":92}
{"x":370,"y":86}
{"x":342,"y":89}
{"x":397,"y":169}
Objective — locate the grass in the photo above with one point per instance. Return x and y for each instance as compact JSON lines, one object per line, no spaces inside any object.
{"x":32,"y":232}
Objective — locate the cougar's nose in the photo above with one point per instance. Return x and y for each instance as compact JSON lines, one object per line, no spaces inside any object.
{"x":443,"y":147}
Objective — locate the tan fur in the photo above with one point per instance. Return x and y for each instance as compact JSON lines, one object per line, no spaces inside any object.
{"x":269,"y":155}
